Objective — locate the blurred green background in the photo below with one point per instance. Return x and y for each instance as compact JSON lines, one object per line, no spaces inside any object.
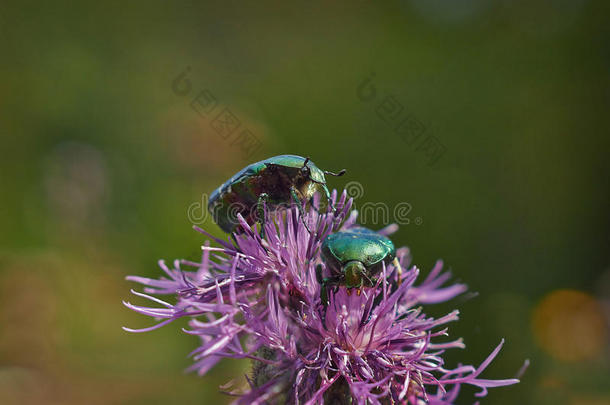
{"x":102,"y":156}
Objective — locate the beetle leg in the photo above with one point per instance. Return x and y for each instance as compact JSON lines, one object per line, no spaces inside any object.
{"x":324,"y":289}
{"x":319,"y":276}
{"x":328,"y":199}
{"x":260,"y":212}
{"x":397,"y":264}
{"x":297,"y":200}
{"x":234,"y":238}
{"x":314,"y":206}
{"x":324,"y":292}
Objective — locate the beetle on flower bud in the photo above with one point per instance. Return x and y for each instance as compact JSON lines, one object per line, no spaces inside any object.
{"x":274,"y":182}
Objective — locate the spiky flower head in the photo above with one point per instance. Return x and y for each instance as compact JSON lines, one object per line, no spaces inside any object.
{"x":259,"y":298}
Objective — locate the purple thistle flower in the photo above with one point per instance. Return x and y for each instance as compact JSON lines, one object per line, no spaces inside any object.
{"x":260,"y":299}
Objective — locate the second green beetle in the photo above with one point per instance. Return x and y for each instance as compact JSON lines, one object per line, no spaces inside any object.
{"x":354,"y":258}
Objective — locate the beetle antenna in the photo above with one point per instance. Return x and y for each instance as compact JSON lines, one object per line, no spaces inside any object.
{"x":341,"y":173}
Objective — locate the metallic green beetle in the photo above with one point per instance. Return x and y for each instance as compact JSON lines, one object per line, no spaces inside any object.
{"x":354,"y":257}
{"x":275,"y":181}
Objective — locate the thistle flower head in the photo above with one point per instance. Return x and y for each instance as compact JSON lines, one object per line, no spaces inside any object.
{"x":260,"y":298}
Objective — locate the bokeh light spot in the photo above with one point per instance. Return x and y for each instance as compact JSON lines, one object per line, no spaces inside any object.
{"x":569,"y":325}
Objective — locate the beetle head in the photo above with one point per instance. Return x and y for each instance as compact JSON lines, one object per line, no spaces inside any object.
{"x":355,"y":274}
{"x":305,"y":170}
{"x":318,"y":178}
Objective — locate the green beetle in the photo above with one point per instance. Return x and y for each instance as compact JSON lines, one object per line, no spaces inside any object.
{"x":275,"y":181}
{"x":354,"y":257}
